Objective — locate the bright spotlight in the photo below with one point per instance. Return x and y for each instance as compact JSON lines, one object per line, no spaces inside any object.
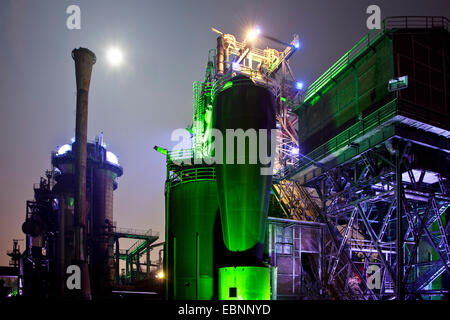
{"x":295,"y":151}
{"x":112,"y":158}
{"x":115,"y":56}
{"x":253,"y":34}
{"x":297,"y":44}
{"x":299,"y":85}
{"x":64,"y":149}
{"x":160,"y":275}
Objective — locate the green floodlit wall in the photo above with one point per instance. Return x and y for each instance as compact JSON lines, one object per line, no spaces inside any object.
{"x":356,"y":91}
{"x":425,"y":58}
{"x":250,"y":283}
{"x":192,"y":208}
{"x":356,"y":88}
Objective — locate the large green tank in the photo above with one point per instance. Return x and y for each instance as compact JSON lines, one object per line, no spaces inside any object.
{"x":192,"y":207}
{"x":242,"y":187}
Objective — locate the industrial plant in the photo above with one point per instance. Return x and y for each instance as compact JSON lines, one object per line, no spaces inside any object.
{"x":336,"y":190}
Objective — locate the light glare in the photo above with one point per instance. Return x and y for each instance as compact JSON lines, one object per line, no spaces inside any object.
{"x":64,"y":149}
{"x":112,"y":158}
{"x":115,"y":56}
{"x":253,"y":33}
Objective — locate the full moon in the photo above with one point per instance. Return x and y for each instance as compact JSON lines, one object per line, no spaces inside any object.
{"x":115,"y":56}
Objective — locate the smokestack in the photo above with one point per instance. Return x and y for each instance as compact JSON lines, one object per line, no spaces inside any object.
{"x":84,"y":60}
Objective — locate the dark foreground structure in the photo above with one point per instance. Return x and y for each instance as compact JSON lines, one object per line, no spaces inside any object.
{"x":70,"y":222}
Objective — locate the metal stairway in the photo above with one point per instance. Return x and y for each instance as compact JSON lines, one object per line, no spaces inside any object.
{"x":296,"y":201}
{"x":431,"y":274}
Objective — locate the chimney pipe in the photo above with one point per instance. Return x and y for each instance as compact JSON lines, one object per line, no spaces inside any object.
{"x":84,"y":60}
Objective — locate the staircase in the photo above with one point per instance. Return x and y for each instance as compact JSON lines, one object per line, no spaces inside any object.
{"x":427,"y":277}
{"x":296,"y":201}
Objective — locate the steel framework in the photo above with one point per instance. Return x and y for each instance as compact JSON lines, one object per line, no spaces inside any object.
{"x":385,"y":212}
{"x":375,"y":206}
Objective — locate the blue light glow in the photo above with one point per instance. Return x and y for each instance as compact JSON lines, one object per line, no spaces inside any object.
{"x":64,"y":149}
{"x":112,"y":158}
{"x":299,"y":85}
{"x":236,"y":66}
{"x":297,"y":44}
{"x":295,"y":151}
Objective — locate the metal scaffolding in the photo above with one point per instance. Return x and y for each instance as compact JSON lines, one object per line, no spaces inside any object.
{"x":383,"y":205}
{"x":133,"y":255}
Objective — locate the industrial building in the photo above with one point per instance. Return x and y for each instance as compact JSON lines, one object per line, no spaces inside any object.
{"x":358,"y":201}
{"x":355,"y":204}
{"x":58,"y":236}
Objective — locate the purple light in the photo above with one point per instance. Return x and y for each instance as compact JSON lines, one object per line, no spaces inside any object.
{"x":112,"y":158}
{"x":429,"y":177}
{"x":64,"y":149}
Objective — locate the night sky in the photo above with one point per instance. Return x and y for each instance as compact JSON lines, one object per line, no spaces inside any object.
{"x":165,"y":45}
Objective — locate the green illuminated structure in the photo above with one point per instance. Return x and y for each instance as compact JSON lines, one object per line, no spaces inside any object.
{"x":246,"y":283}
{"x":216,"y":213}
{"x":192,"y":206}
{"x":243,"y":191}
{"x":191,"y":210}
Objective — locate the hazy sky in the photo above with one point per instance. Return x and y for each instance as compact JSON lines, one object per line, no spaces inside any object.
{"x":137,"y":106}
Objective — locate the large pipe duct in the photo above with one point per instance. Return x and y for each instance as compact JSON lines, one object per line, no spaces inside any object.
{"x":243,"y":191}
{"x":84,"y":60}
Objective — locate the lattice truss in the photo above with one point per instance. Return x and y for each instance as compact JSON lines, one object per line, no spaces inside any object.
{"x":359,"y":203}
{"x":267,"y":67}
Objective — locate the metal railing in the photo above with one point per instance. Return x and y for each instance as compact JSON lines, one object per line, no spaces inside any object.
{"x":137,"y":232}
{"x":192,"y":174}
{"x":257,"y":77}
{"x":186,"y":157}
{"x":389,"y":24}
{"x":342,"y":140}
{"x":138,"y":245}
{"x":416,"y":22}
{"x":180,"y":155}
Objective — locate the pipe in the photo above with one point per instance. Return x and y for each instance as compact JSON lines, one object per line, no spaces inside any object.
{"x":84,"y":60}
{"x":220,"y":56}
{"x":160,"y":259}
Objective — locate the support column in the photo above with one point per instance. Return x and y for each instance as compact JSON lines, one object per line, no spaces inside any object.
{"x":148,"y":262}
{"x":400,"y":289}
{"x":127,"y":269}
{"x":138,"y":268}
{"x":117,"y":274}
